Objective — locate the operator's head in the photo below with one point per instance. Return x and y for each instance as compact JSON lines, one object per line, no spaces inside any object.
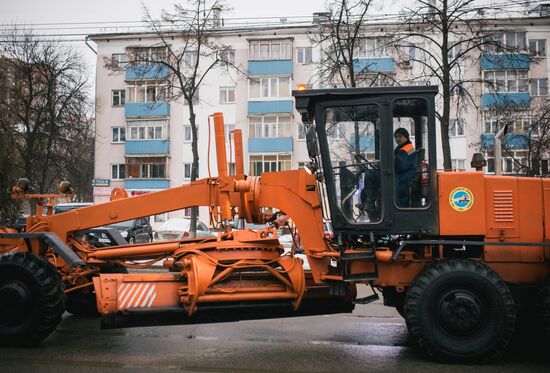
{"x":401,"y":135}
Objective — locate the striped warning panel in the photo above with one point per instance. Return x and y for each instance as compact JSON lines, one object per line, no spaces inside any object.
{"x":136,"y":295}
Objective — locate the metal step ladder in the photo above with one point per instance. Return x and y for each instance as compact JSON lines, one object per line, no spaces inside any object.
{"x":350,"y":255}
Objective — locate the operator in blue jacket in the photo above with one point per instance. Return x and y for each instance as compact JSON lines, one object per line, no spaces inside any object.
{"x":404,"y":166}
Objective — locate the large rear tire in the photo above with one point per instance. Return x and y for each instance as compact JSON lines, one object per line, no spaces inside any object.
{"x":460,"y":311}
{"x":32,"y":300}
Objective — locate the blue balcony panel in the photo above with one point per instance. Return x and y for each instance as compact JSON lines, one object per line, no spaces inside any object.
{"x":366,"y":144}
{"x":384,"y":64}
{"x":503,"y":99}
{"x":146,"y":183}
{"x":511,"y":141}
{"x":504,"y":61}
{"x":271,"y":67}
{"x":138,"y":147}
{"x":148,"y":109}
{"x":279,"y":106}
{"x":270,"y":145}
{"x":154,"y":71}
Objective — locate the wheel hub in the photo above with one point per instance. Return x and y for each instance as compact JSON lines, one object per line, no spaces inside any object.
{"x":15,"y":301}
{"x":461,"y":313}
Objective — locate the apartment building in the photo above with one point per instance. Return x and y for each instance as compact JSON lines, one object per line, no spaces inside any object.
{"x":143,"y":142}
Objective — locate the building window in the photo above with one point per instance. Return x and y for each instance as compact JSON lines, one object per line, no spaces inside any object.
{"x":270,"y":50}
{"x":118,"y":96}
{"x":147,"y":130}
{"x":506,"y":41}
{"x":506,"y":81}
{"x":118,"y":171}
{"x":227,"y":57}
{"x":539,"y":87}
{"x":146,"y":167}
{"x":269,"y":88}
{"x":195,"y":99}
{"x":374,"y":47}
{"x":187,"y":133}
{"x":518,"y":122}
{"x":146,"y":92}
{"x":458,"y":164}
{"x":270,"y":126}
{"x":227,"y":95}
{"x":147,"y":55}
{"x":119,"y":134}
{"x":269,"y":163}
{"x":456,"y":127}
{"x":537,"y":47}
{"x":187,"y":171}
{"x":336,"y":130}
{"x":301,"y":131}
{"x":190,"y":59}
{"x":304,"y":55}
{"x":119,"y":60}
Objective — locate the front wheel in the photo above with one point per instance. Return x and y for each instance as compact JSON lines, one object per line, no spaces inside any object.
{"x":32,"y":300}
{"x":460,"y":311}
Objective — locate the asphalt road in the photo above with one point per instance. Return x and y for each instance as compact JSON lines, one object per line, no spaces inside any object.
{"x":373,"y":338}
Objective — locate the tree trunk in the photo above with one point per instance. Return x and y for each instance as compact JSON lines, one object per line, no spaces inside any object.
{"x":194,"y":165}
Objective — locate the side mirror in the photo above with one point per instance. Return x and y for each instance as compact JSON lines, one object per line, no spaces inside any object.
{"x":311,"y":141}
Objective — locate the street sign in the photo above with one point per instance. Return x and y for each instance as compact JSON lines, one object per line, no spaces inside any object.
{"x":101,"y":182}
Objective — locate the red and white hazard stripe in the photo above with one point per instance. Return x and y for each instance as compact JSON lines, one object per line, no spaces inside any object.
{"x":137,"y":295}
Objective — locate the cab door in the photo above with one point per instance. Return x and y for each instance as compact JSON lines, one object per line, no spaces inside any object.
{"x":357,"y":153}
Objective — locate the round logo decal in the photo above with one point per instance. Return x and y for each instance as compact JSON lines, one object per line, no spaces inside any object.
{"x":461,"y":199}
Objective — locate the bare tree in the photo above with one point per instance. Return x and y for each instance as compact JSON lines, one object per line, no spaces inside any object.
{"x":187,"y":49}
{"x":527,"y":142}
{"x":342,"y":38}
{"x":46,"y":106}
{"x":445,"y":35}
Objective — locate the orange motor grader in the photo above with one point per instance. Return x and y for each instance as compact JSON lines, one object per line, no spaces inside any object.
{"x":452,"y":251}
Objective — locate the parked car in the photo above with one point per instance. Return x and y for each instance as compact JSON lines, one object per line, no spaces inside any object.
{"x":64,"y":207}
{"x":135,"y":230}
{"x":178,"y":229}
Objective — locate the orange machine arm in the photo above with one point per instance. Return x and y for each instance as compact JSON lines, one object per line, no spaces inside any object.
{"x":198,"y":193}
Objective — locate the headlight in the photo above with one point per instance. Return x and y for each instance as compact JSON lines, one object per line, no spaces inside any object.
{"x":124,"y":234}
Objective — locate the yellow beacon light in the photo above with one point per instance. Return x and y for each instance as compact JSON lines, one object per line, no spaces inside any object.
{"x":301,"y":87}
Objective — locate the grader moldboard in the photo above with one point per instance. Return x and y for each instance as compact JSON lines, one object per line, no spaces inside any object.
{"x":453,"y":254}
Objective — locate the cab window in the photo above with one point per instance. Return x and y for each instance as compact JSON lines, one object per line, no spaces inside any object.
{"x":411,"y":176}
{"x":353,"y":135}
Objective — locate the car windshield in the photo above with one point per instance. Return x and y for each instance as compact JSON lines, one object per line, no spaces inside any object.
{"x":123,"y":224}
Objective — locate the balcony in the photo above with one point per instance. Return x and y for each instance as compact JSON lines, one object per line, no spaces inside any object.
{"x":141,"y":147}
{"x":518,"y":61}
{"x":278,"y":106}
{"x":366,"y":144}
{"x":270,"y":67}
{"x":511,"y":141}
{"x":503,"y":99}
{"x":154,"y":71}
{"x":146,"y":183}
{"x":147,"y":109}
{"x":378,"y":65}
{"x":270,"y":145}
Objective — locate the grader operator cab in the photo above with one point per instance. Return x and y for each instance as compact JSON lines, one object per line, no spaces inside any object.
{"x":447,"y":249}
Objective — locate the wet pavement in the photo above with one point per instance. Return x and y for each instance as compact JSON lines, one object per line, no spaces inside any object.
{"x":373,"y":338}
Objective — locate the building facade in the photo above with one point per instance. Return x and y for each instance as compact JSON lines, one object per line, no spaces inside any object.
{"x":143,"y":138}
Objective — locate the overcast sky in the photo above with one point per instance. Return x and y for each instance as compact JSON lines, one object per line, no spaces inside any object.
{"x":33,"y":11}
